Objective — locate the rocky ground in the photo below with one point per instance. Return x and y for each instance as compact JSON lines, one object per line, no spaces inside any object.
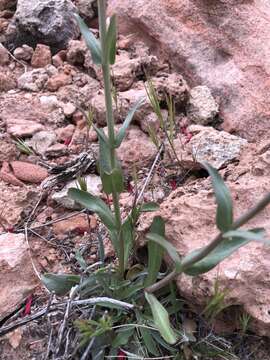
{"x":48,"y":83}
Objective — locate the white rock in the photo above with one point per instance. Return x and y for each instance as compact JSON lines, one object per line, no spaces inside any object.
{"x":202,"y":107}
{"x":94,"y":186}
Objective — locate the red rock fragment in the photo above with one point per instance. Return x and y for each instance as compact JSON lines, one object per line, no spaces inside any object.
{"x":27,"y":172}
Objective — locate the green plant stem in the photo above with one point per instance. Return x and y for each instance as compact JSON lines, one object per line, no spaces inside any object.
{"x":110,"y":124}
{"x":211,"y":246}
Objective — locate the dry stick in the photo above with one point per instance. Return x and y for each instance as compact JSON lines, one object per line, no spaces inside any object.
{"x":210,"y":247}
{"x":58,"y":306}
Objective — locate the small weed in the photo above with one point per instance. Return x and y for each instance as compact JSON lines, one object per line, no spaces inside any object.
{"x":217,"y":303}
{"x":23,"y":147}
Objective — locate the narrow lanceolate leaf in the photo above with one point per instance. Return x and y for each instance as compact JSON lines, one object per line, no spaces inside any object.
{"x":149,"y":342}
{"x":227,"y":247}
{"x":155,"y":251}
{"x":148,"y":207}
{"x":161,"y":319}
{"x":224,"y":215}
{"x":94,"y":204}
{"x":92,"y":43}
{"x":127,"y":232}
{"x":171,"y":250}
{"x":121,"y":134}
{"x":257,"y":234}
{"x":60,"y":284}
{"x":111,"y":40}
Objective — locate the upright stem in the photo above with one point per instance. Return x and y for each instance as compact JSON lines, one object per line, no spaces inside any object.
{"x":110,"y":124}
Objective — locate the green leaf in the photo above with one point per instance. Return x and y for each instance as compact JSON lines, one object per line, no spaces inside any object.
{"x":111,"y":40}
{"x":101,"y":134}
{"x":151,"y":206}
{"x":112,"y":178}
{"x":161,"y":319}
{"x":94,"y":204}
{"x":113,"y":181}
{"x":221,"y":252}
{"x":149,"y":342}
{"x":171,"y":250}
{"x":123,"y":336}
{"x":92,"y":43}
{"x":252,"y":235}
{"x":121,"y":133}
{"x":224,"y":215}
{"x":127,"y":231}
{"x":80,"y":259}
{"x":61,"y":284}
{"x":155,"y":251}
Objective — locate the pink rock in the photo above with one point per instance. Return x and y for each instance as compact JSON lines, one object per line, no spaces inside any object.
{"x":14,"y":200}
{"x":42,"y":56}
{"x":221,"y":44}
{"x":79,"y":224}
{"x":7,"y":82}
{"x":28,"y":172}
{"x":16,"y":269}
{"x":23,"y":53}
{"x":7,"y":176}
{"x":4,"y":56}
{"x":136,"y":149}
{"x":57,"y":81}
{"x":65,"y":133}
{"x":189,"y":213}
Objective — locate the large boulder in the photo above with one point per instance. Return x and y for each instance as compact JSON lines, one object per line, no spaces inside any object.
{"x":189,"y":213}
{"x":47,"y":22}
{"x":221,"y":44}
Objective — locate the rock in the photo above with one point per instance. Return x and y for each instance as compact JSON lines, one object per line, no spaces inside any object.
{"x":68,"y":109}
{"x":16,"y":202}
{"x":57,"y":81}
{"x":99,"y":108}
{"x":36,"y":79}
{"x":76,"y":52}
{"x":124,"y":71}
{"x":8,"y":150}
{"x":78,"y":223}
{"x":218,"y":148}
{"x":7,"y":4}
{"x":202,"y":107}
{"x":8,"y":177}
{"x":171,"y":84}
{"x":49,"y":101}
{"x":87,"y":9}
{"x":79,"y":95}
{"x":136,"y":149}
{"x":189,"y":213}
{"x":24,"y":53}
{"x":56,"y":150}
{"x":42,"y":140}
{"x":42,"y":56}
{"x":130,"y":97}
{"x":65,"y":133}
{"x":151,"y":121}
{"x":94,"y":186}
{"x":16,"y":269}
{"x":48,"y":22}
{"x":4,"y":56}
{"x":7,"y":82}
{"x":221,"y":44}
{"x":22,"y":117}
{"x":31,"y":173}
